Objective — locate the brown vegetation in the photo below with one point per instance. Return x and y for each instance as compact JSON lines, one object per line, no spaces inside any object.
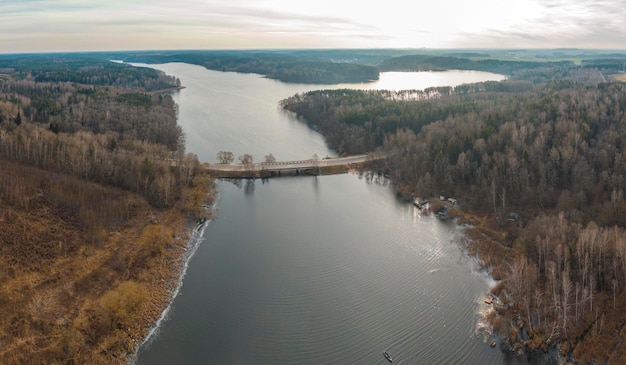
{"x":93,"y":214}
{"x":81,"y":280}
{"x":620,"y":77}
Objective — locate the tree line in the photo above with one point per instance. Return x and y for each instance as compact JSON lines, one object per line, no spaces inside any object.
{"x":283,"y":67}
{"x":424,"y":62}
{"x":86,"y":69}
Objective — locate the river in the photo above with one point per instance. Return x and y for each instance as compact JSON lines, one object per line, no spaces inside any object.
{"x":313,"y":270}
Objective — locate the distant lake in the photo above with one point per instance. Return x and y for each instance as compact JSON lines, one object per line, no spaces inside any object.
{"x":422,"y":80}
{"x":314,"y":270}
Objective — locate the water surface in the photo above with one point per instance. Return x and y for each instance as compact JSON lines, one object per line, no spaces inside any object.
{"x":306,"y":270}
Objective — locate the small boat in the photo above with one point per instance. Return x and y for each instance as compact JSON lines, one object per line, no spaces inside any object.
{"x":387,"y":356}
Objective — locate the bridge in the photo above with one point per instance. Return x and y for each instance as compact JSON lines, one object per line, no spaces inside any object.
{"x":285,"y":168}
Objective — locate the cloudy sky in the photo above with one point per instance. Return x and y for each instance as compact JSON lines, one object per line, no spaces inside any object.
{"x":77,"y":25}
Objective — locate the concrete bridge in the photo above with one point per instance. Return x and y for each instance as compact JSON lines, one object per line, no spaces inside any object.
{"x":284,"y":168}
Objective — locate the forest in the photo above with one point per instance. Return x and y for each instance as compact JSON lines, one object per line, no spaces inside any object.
{"x":273,"y":65}
{"x":330,"y":66}
{"x":86,"y":69}
{"x":96,"y":189}
{"x":438,"y":63}
{"x":538,"y":168}
{"x":96,"y":196}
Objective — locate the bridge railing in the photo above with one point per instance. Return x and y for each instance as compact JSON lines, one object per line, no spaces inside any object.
{"x":279,"y":163}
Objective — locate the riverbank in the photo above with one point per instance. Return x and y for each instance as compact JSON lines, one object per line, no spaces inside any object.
{"x":531,"y":314}
{"x":491,"y":243}
{"x":486,"y":241}
{"x":542,"y":317}
{"x":166,"y":90}
{"x":197,"y":210}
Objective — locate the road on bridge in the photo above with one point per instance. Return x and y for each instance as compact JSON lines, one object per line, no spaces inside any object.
{"x":286,"y":165}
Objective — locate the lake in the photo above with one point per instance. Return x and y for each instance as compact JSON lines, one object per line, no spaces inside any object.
{"x":313,"y":270}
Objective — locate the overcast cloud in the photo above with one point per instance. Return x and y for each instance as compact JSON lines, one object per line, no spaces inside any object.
{"x":74,"y":25}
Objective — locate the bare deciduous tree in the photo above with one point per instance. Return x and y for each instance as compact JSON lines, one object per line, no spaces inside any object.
{"x":270,"y":158}
{"x":225,"y":157}
{"x":246,"y":159}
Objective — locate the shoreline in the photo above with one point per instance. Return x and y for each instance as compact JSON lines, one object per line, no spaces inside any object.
{"x":195,"y":236}
{"x":476,"y":237}
{"x":175,"y":88}
{"x":466,"y":222}
{"x":484,"y":242}
{"x":186,"y":243}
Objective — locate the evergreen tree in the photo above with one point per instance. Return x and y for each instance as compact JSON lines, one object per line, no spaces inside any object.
{"x":18,"y":118}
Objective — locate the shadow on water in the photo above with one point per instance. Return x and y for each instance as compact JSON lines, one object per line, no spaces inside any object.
{"x":249,"y":186}
{"x":237,"y":182}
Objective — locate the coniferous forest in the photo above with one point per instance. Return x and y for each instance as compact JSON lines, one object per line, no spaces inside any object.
{"x":538,"y":168}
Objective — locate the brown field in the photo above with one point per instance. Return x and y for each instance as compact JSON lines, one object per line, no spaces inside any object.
{"x":620,"y":77}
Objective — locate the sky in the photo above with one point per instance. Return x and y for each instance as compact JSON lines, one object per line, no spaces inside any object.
{"x":94,"y":25}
